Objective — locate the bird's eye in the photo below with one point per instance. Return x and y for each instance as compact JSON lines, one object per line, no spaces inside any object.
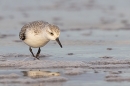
{"x":51,"y":33}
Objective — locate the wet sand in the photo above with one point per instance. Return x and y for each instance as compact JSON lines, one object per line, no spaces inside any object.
{"x":95,"y":47}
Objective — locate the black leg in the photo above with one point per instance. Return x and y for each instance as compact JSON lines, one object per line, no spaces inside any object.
{"x":39,"y":50}
{"x":31,"y":51}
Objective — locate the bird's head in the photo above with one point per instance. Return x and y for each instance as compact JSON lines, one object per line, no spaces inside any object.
{"x":53,"y":33}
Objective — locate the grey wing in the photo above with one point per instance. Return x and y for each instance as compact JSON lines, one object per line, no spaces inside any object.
{"x":22,"y":35}
{"x":37,"y":24}
{"x":34,"y":24}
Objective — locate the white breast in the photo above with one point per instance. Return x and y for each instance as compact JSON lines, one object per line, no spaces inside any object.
{"x":35,"y":40}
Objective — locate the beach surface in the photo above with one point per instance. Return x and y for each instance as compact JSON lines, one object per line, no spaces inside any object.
{"x":95,"y":38}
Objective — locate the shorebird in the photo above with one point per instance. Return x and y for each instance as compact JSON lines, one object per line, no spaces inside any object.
{"x":37,"y":34}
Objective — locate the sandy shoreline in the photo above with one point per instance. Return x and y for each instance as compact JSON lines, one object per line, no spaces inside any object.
{"x":95,"y":38}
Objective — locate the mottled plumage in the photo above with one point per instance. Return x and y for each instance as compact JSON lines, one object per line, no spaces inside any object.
{"x":35,"y":25}
{"x":38,"y":33}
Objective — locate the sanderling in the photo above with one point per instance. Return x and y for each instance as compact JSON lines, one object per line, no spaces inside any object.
{"x":37,"y":34}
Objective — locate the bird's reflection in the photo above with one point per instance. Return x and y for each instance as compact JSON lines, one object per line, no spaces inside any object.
{"x":39,"y":74}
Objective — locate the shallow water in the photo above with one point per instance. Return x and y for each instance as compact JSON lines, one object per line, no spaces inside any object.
{"x":95,"y":38}
{"x":92,"y":48}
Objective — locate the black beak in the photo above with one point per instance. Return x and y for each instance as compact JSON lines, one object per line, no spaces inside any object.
{"x":57,"y":39}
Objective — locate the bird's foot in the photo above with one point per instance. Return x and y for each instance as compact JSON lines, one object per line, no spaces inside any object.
{"x":36,"y":58}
